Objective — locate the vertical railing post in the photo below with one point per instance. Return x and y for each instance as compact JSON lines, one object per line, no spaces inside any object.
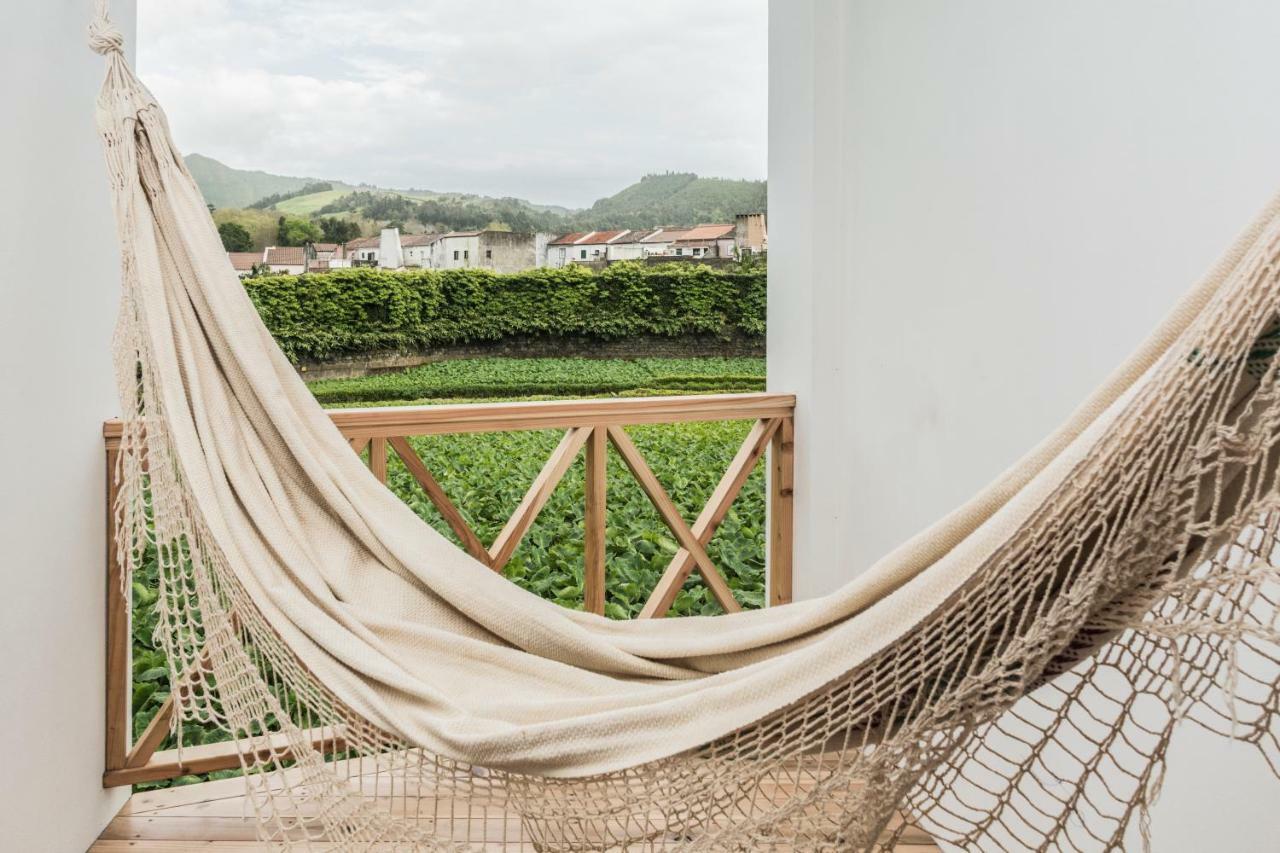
{"x":117,"y":626}
{"x":378,"y":458}
{"x":593,"y":575}
{"x":781,"y":511}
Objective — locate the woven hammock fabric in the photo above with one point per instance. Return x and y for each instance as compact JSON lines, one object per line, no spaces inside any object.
{"x":1008,"y":679}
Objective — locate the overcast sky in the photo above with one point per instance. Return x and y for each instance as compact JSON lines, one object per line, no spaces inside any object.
{"x":556,"y":101}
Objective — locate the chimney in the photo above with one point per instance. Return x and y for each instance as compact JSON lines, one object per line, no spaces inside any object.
{"x":390,"y":255}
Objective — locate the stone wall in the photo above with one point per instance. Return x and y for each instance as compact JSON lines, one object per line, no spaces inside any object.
{"x":688,"y":346}
{"x":507,"y":251}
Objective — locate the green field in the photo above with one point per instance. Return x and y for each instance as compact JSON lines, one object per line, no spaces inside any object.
{"x":490,"y":378}
{"x":305,"y":205}
{"x":486,"y":475}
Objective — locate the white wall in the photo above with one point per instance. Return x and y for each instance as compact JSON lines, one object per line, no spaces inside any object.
{"x":468,"y":249}
{"x":1015,"y":192}
{"x":58,"y":289}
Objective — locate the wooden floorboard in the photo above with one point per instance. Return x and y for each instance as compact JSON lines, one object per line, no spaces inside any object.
{"x":213,"y":817}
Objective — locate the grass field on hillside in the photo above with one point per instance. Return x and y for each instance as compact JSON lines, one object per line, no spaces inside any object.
{"x":305,"y":205}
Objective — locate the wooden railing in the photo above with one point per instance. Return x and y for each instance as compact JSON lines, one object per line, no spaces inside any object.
{"x":589,"y":427}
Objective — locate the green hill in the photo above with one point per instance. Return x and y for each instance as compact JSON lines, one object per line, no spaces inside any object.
{"x":674,"y":198}
{"x":224,"y":186}
{"x":679,"y":198}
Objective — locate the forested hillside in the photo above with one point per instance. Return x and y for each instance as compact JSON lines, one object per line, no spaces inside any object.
{"x":675,"y":199}
{"x":257,"y":199}
{"x":224,"y":186}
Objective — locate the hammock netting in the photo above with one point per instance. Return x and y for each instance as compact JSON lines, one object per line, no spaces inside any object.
{"x":1009,"y":679}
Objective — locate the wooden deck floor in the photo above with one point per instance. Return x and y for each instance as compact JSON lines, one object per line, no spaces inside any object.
{"x":210,"y":818}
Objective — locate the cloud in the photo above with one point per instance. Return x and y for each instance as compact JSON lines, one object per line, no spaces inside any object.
{"x":558,"y":102}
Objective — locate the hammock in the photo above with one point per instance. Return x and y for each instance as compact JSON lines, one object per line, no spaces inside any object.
{"x":1008,"y":679}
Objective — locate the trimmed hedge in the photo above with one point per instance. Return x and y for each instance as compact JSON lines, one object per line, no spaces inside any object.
{"x":320,"y":315}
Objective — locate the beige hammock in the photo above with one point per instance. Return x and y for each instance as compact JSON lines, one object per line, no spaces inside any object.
{"x":1008,"y":679}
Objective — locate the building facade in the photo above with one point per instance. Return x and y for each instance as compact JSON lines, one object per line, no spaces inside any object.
{"x":290,"y":260}
{"x":416,"y":249}
{"x":720,"y":241}
{"x":363,"y":251}
{"x":705,"y":241}
{"x":244,"y":263}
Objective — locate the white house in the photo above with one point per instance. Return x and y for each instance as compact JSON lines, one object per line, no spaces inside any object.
{"x":244,"y":262}
{"x":660,"y":240}
{"x":416,"y":249}
{"x":704,"y":241}
{"x":594,"y":246}
{"x":629,"y":245}
{"x":500,"y":251}
{"x":322,"y":257}
{"x":286,"y":259}
{"x":581,"y":247}
{"x":363,"y":251}
{"x":560,"y":250}
{"x":324,"y":251}
{"x":456,"y":250}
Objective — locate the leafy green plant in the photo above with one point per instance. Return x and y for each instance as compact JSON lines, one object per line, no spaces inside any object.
{"x":486,"y":475}
{"x":293,"y":231}
{"x":235,"y":237}
{"x":316,"y":316}
{"x":562,"y":377}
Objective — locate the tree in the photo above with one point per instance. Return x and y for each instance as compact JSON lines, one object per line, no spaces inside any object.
{"x":339,"y":230}
{"x":292,"y":231}
{"x":235,"y":237}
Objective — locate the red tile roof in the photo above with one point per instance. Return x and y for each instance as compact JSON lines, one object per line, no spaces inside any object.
{"x":291,"y":256}
{"x":568,"y":239}
{"x":595,"y":238}
{"x":363,"y":243}
{"x":244,"y":261}
{"x":635,"y":236}
{"x":410,"y":240}
{"x":325,"y":247}
{"x":708,"y":232}
{"x":666,"y":235}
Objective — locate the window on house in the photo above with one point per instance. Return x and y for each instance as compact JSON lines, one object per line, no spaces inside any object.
{"x":679,"y":251}
{"x":488,"y":253}
{"x":584,"y":254}
{"x":466,"y":254}
{"x":455,"y":254}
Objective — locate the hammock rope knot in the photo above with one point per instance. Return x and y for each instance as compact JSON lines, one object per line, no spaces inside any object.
{"x":104,"y":37}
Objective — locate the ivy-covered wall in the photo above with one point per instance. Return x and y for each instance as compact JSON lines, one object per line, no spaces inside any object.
{"x":318,"y":316}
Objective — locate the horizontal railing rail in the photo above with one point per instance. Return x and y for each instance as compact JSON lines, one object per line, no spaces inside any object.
{"x":590,"y":427}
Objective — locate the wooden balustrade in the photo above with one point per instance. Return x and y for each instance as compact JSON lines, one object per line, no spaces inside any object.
{"x":590,"y":426}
